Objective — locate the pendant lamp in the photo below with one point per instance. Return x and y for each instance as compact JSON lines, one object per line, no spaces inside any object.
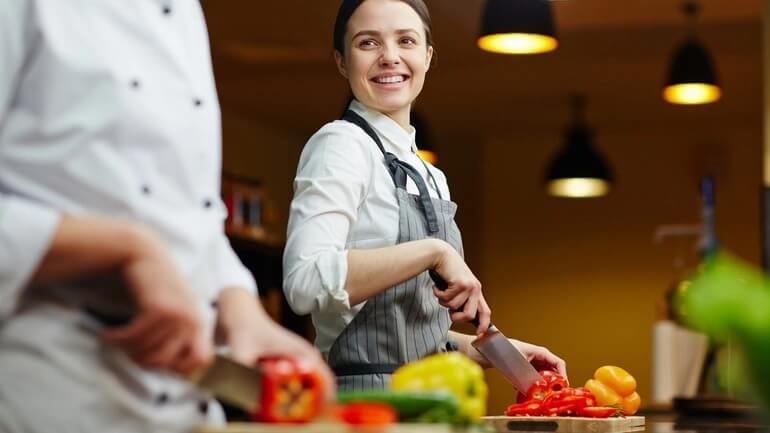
{"x":517,"y":27}
{"x":578,"y":170}
{"x":691,"y":78}
{"x":422,"y":139}
{"x":428,"y":156}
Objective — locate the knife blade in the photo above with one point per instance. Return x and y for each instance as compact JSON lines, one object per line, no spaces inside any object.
{"x":231,"y":382}
{"x":499,"y":351}
{"x":507,"y":358}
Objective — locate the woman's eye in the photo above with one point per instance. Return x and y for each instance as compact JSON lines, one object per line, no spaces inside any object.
{"x":366,"y":43}
{"x":408,"y":41}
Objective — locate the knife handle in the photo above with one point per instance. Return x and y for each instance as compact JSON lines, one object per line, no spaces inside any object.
{"x":107,"y":320}
{"x":442,"y":285}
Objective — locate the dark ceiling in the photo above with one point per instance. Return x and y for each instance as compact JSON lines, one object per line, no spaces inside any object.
{"x":273,"y":63}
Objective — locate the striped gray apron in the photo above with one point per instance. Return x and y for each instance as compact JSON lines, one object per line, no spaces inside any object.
{"x":404,"y":323}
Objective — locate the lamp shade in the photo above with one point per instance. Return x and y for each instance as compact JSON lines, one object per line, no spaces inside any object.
{"x":578,"y":170}
{"x":691,"y":78}
{"x":517,"y":27}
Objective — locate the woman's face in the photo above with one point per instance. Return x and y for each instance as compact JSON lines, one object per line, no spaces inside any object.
{"x":386,"y":56}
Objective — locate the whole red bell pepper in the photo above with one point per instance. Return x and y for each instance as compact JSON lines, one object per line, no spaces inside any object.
{"x":291,"y":391}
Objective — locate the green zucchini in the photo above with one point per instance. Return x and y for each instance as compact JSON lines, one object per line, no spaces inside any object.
{"x":409,"y":405}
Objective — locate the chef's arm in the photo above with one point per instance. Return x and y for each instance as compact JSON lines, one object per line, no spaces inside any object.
{"x":83,"y":246}
{"x":248,"y":331}
{"x":370,"y":272}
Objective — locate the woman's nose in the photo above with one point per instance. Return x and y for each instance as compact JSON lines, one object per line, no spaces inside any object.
{"x":389,"y":56}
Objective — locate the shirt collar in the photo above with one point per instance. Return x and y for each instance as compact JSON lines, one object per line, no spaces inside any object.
{"x":387,"y":128}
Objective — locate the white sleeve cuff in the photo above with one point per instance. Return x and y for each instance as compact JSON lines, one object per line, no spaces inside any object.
{"x":26,"y":231}
{"x":332,"y":267}
{"x":317,"y":283}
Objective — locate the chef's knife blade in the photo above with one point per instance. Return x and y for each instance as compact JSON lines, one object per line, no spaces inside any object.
{"x":507,"y":358}
{"x":232,"y":382}
{"x":228,"y":380}
{"x":500,"y":352}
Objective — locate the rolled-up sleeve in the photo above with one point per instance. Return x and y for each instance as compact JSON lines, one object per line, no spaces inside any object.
{"x":26,"y":231}
{"x":331,"y":183}
{"x":228,"y":269}
{"x":15,"y":35}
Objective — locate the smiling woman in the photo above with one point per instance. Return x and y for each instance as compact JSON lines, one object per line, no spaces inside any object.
{"x":384,"y":51}
{"x":369,"y":218}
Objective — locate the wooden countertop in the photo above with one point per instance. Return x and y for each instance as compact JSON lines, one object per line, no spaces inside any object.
{"x":327,"y":428}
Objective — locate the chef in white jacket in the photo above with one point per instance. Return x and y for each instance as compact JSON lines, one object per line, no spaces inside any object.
{"x":109,"y":184}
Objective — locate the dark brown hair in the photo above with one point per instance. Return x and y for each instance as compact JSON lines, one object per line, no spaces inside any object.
{"x":348,"y":8}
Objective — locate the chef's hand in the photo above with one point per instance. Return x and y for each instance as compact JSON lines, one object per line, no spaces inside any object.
{"x":168,"y":330}
{"x":251,"y":334}
{"x":541,"y":358}
{"x":463,"y":295}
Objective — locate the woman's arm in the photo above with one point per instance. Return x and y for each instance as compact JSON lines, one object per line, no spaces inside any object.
{"x":463,"y":342}
{"x":333,"y":180}
{"x":370,"y":272}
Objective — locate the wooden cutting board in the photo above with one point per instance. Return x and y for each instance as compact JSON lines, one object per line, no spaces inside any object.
{"x":565,"y":424}
{"x":325,"y":428}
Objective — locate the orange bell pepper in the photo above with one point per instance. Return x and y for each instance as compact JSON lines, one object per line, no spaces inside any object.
{"x":615,"y":387}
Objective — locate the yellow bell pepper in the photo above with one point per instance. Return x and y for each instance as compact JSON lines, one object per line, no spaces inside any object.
{"x":613,"y":386}
{"x":449,"y":372}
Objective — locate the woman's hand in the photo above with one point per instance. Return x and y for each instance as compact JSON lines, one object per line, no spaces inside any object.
{"x":463,"y":295}
{"x":541,"y":358}
{"x":251,"y":334}
{"x":168,"y":329}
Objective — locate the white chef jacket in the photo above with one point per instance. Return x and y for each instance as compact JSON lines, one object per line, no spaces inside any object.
{"x":344,"y":198}
{"x":106,"y":108}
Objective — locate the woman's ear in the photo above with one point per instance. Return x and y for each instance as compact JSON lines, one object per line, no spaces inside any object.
{"x":340,"y":63}
{"x":429,"y":57}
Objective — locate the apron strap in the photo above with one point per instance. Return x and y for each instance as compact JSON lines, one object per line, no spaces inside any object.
{"x":364,"y":369}
{"x":399,"y":170}
{"x":432,"y":179}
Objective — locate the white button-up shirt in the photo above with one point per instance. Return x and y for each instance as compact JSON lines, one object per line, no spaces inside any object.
{"x":110,"y":108}
{"x":107,"y":108}
{"x":344,"y":198}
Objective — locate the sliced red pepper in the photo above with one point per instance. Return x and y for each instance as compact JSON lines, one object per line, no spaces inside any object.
{"x":552,"y":381}
{"x":597,"y":411}
{"x":565,"y":405}
{"x":536,"y":392}
{"x":520,"y":409}
{"x":366,"y":414}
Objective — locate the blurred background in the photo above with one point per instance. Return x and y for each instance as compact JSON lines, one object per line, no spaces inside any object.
{"x":583,"y":277}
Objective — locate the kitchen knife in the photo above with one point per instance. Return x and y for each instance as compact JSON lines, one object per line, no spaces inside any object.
{"x":233,"y":383}
{"x":499,"y":351}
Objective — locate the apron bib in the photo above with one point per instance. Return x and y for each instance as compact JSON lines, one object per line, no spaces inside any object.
{"x":405,"y":322}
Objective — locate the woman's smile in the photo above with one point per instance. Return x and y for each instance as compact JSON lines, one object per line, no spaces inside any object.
{"x":390,"y":81}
